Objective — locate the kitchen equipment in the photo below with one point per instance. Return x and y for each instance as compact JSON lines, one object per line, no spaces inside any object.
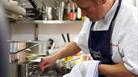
{"x":23,"y":70}
{"x":14,"y":69}
{"x":48,"y":11}
{"x":67,"y":36}
{"x":25,"y":50}
{"x":42,"y":48}
{"x":37,"y":9}
{"x":61,"y":11}
{"x":56,"y":70}
{"x":63,"y":38}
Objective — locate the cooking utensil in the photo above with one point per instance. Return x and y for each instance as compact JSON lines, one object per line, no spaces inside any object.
{"x":63,"y":38}
{"x":68,"y":37}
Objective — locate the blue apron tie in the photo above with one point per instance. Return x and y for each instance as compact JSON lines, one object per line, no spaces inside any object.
{"x":99,"y":42}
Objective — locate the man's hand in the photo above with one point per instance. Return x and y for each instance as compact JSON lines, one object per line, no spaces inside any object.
{"x":46,"y":62}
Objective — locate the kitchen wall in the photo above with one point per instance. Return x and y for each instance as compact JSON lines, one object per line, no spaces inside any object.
{"x":26,"y":31}
{"x":55,"y":31}
{"x":22,"y":31}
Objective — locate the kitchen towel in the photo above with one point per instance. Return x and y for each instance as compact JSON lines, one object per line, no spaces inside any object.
{"x":84,"y":69}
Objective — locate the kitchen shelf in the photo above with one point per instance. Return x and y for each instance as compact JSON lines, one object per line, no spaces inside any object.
{"x":50,"y":22}
{"x":56,"y":22}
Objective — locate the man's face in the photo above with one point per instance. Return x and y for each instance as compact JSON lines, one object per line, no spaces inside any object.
{"x":90,"y":9}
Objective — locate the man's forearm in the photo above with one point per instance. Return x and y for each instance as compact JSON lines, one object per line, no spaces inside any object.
{"x":116,"y":70}
{"x":69,"y":50}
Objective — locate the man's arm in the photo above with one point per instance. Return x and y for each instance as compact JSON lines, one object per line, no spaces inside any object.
{"x":69,"y":50}
{"x":116,"y":70}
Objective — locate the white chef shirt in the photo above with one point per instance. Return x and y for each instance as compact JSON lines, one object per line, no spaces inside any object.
{"x":124,"y":40}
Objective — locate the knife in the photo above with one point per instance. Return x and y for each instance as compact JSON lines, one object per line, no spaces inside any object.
{"x":63,"y":37}
{"x":68,"y":37}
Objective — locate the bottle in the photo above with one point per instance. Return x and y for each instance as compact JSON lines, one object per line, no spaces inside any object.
{"x":65,"y":13}
{"x":72,"y":13}
{"x":79,"y":14}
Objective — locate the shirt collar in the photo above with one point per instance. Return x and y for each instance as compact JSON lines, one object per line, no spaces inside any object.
{"x":104,"y":23}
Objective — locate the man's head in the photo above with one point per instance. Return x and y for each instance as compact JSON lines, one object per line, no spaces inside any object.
{"x":94,"y":9}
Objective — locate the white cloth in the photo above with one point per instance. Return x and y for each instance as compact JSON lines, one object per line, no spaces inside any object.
{"x":84,"y":69}
{"x":124,"y":40}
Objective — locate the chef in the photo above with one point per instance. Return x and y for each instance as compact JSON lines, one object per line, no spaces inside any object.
{"x":109,"y":34}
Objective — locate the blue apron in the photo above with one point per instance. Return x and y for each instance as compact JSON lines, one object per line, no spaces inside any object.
{"x":99,"y":42}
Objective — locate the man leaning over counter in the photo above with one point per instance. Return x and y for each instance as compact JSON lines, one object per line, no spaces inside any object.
{"x":110,"y":29}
